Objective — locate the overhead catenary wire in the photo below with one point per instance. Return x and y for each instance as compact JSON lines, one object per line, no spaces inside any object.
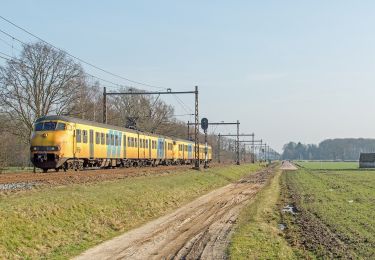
{"x":86,"y":73}
{"x":75,"y":57}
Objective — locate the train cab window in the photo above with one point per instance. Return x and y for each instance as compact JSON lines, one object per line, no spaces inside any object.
{"x":39,"y":127}
{"x":78,"y":135}
{"x":102,"y":138}
{"x":84,"y":133}
{"x":97,"y":138}
{"x":49,"y":126}
{"x":60,"y":126}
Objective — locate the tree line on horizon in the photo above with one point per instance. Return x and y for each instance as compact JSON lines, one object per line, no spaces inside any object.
{"x":345,"y":149}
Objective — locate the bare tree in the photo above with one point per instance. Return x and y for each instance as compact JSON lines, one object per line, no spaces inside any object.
{"x":152,"y":114}
{"x":41,"y":81}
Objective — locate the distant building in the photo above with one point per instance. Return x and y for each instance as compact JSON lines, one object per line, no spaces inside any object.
{"x":367,"y":160}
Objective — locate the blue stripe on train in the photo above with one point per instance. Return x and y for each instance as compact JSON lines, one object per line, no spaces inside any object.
{"x":160,"y":148}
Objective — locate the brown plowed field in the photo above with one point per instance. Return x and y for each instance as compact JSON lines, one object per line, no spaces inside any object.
{"x":69,"y":177}
{"x":198,"y":230}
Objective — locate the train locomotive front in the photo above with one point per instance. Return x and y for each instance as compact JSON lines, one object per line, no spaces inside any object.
{"x":50,"y":143}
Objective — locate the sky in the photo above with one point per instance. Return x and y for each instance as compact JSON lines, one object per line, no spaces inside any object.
{"x":287,"y":70}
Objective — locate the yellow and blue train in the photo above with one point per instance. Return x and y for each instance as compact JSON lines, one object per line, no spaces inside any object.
{"x":62,"y":142}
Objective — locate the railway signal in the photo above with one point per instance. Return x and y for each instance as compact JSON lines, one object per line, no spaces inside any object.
{"x":204,"y":125}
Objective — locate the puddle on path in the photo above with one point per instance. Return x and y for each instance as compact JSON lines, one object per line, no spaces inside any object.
{"x":289,"y":209}
{"x":281,"y":226}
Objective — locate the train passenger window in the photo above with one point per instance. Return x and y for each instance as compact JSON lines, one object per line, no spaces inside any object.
{"x":136,"y":142}
{"x":60,"y":126}
{"x":112,"y":139}
{"x":144,"y":143}
{"x":106,"y":139}
{"x":102,"y":138}
{"x":78,"y":135}
{"x":97,"y":138}
{"x":147,"y":144}
{"x":129,"y":143}
{"x":84,"y":133}
{"x":116,"y":140}
{"x":140,"y":143}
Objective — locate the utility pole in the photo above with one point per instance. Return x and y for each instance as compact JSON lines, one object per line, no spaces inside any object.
{"x":196,"y":132}
{"x":105,"y":105}
{"x":218,"y":148}
{"x":252,"y":150}
{"x":168,"y":92}
{"x":238,"y":142}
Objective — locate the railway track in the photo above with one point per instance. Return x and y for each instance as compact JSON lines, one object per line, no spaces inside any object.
{"x":26,"y":180}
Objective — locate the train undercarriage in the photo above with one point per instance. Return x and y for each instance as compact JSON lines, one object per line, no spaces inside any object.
{"x":46,"y":161}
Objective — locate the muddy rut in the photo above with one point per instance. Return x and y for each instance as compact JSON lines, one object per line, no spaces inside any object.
{"x":199,"y":230}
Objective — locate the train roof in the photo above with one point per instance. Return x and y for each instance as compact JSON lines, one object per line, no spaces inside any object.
{"x":92,"y":123}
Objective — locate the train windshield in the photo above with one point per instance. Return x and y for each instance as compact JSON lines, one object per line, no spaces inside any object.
{"x":49,"y":126}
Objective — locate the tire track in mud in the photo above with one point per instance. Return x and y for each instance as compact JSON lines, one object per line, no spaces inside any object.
{"x":199,"y":230}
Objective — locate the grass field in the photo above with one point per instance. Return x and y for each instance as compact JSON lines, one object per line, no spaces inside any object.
{"x":61,"y":222}
{"x":336,"y":217}
{"x":257,"y":235}
{"x":17,"y":169}
{"x":320,"y":165}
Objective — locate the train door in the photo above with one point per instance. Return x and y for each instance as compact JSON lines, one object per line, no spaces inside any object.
{"x":160,"y":148}
{"x":149,"y":149}
{"x":124,"y":146}
{"x":91,"y":142}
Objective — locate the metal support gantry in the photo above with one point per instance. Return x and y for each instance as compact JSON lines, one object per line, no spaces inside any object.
{"x":168,"y":92}
{"x":238,"y":135}
{"x":236,"y":143}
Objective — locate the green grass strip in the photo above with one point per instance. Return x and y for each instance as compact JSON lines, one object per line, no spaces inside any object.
{"x":257,"y":235}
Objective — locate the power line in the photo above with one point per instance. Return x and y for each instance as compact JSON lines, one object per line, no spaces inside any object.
{"x":98,"y":78}
{"x":183,"y":104}
{"x":75,"y":57}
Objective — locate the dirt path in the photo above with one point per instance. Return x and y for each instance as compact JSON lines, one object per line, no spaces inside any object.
{"x":288,"y":166}
{"x":200,"y":229}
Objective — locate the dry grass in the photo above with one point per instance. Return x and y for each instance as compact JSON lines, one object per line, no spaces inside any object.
{"x":60,"y":222}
